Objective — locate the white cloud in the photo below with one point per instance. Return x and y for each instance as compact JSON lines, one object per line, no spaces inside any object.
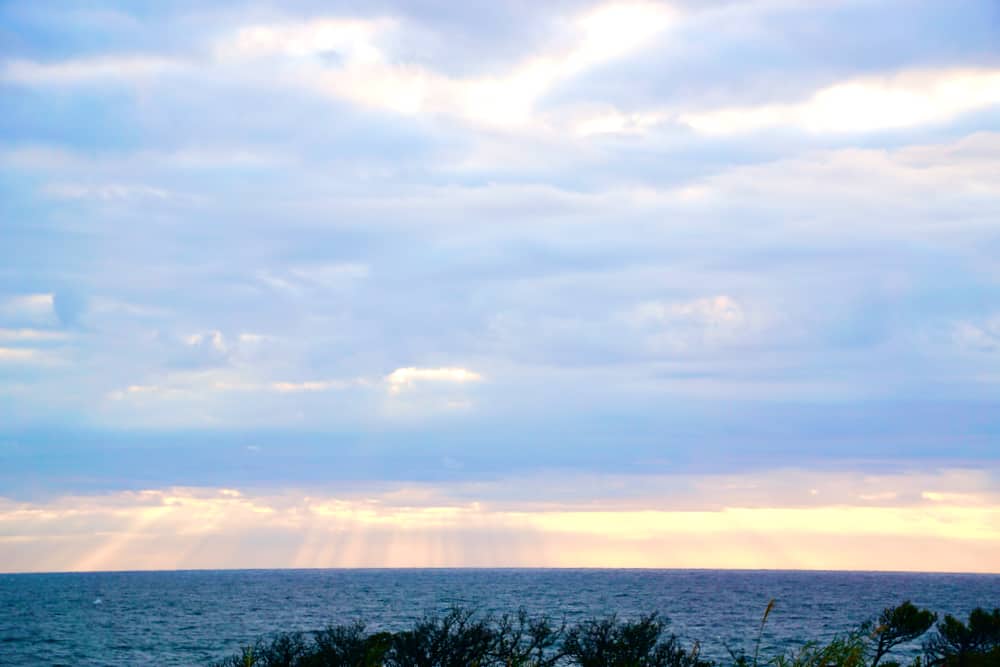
{"x":312,"y":385}
{"x":201,"y":384}
{"x":678,"y":326}
{"x":40,"y":157}
{"x":719,"y":310}
{"x":106,"y":192}
{"x":910,"y":98}
{"x":35,"y":308}
{"x":367,"y":75}
{"x":298,"y":281}
{"x":31,"y":335}
{"x":404,"y":378}
{"x":19,"y":355}
{"x":332,"y":275}
{"x":212,"y":339}
{"x":86,"y":70}
{"x":354,"y":40}
{"x":910,"y":192}
{"x":249,"y":338}
{"x":979,"y":336}
{"x":114,"y":166}
{"x":614,"y":29}
{"x":147,"y":390}
{"x":907,"y":99}
{"x":103,"y":305}
{"x":615,"y":122}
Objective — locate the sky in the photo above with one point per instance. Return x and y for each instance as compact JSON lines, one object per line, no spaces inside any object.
{"x":643,"y":284}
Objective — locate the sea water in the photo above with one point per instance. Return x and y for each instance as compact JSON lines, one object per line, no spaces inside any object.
{"x":196,"y":617}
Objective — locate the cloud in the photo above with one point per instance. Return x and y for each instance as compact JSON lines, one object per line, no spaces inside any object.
{"x":201,"y":350}
{"x":670,"y":237}
{"x":867,"y":104}
{"x":20,"y":355}
{"x":685,"y":326}
{"x":28,"y":308}
{"x":314,"y":385}
{"x":884,"y":191}
{"x":615,"y":122}
{"x":978,"y":336}
{"x":144,"y":390}
{"x":405,"y":378}
{"x":332,"y":276}
{"x":117,"y":167}
{"x":32,"y":335}
{"x":201,"y":384}
{"x":366,"y":74}
{"x":108,"y":192}
{"x":118,"y":68}
{"x":406,"y":525}
{"x":353,"y":40}
{"x":712,"y":311}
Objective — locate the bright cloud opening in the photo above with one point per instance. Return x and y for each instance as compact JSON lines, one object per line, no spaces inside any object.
{"x":867,"y":104}
{"x":405,"y":378}
{"x":367,"y":75}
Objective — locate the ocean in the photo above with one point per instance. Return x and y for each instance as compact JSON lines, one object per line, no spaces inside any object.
{"x":195,"y":617}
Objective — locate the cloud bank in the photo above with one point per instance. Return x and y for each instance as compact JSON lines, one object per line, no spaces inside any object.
{"x":324,"y":251}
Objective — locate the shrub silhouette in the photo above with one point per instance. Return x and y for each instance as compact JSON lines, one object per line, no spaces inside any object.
{"x":845,"y":651}
{"x":522,"y":641}
{"x":457,"y":639}
{"x":610,"y":642}
{"x":461,"y":638}
{"x":286,"y":650}
{"x":346,"y":646}
{"x":899,"y":625}
{"x":966,"y":645}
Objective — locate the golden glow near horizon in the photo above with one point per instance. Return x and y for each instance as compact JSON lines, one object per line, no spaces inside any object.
{"x":936,"y":530}
{"x":501,"y":253}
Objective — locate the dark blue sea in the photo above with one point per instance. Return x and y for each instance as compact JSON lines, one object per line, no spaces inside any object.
{"x":193,"y":618}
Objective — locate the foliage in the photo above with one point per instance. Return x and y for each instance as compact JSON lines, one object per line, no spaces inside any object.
{"x":455,"y":640}
{"x":899,"y":625}
{"x":346,"y":646}
{"x":609,"y":642}
{"x":740,"y":658}
{"x":846,"y":651}
{"x":461,"y":638}
{"x":522,"y":641}
{"x":966,"y":645}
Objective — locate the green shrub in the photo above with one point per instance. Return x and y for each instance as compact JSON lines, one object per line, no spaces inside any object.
{"x":847,"y":651}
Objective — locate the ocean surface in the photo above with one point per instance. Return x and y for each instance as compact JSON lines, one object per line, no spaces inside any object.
{"x":195,"y":617}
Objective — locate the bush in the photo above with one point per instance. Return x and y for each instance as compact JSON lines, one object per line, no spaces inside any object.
{"x":460,"y":638}
{"x":612,"y":643}
{"x":966,"y":645}
{"x":847,"y":651}
{"x":528,"y":642}
{"x":455,"y":640}
{"x":346,"y":646}
{"x":899,"y":625}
